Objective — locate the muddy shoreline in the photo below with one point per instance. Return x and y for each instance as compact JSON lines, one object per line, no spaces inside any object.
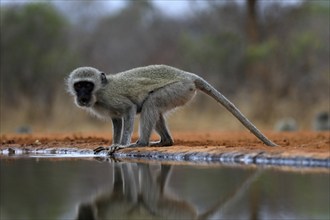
{"x":295,"y":148}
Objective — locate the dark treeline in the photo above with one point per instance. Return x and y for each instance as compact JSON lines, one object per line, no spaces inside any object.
{"x":276,"y":57}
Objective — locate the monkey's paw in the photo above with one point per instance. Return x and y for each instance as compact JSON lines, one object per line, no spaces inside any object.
{"x":100,"y":149}
{"x":114,"y":148}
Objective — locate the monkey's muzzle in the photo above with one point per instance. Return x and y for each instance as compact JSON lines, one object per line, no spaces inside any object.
{"x":84,"y":101}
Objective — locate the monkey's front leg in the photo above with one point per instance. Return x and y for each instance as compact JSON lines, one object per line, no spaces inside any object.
{"x":127,"y":131}
{"x":117,"y":125}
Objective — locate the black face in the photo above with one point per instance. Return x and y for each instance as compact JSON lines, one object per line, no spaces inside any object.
{"x":84,"y":92}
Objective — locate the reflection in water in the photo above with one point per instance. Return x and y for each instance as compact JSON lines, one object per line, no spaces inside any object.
{"x":86,"y":189}
{"x":142,"y":196}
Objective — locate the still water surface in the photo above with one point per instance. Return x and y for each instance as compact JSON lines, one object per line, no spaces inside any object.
{"x":40,"y":188}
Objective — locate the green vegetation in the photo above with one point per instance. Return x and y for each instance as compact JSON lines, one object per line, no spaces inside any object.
{"x":34,"y":53}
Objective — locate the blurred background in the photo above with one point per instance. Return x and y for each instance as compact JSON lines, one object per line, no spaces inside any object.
{"x":271,"y":58}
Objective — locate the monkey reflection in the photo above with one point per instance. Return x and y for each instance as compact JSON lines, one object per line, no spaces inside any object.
{"x":138,"y":193}
{"x":138,"y":196}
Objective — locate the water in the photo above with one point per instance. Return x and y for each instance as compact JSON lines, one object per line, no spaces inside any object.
{"x":77,"y":188}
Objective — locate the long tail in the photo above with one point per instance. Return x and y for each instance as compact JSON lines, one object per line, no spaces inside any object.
{"x":211,"y":91}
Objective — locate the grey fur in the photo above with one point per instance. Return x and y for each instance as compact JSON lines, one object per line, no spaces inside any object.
{"x":151,"y":91}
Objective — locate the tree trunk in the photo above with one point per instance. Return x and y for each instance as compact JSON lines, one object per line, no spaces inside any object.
{"x":252,"y":29}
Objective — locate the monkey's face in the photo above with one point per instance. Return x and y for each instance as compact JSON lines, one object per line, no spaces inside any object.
{"x":84,"y":93}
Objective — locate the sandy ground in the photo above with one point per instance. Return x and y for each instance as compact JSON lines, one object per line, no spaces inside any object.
{"x":291,"y":144}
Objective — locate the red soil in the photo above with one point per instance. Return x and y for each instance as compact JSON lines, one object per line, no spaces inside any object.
{"x":310,"y":144}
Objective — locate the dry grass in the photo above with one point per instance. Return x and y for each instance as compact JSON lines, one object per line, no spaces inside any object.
{"x":208,"y":116}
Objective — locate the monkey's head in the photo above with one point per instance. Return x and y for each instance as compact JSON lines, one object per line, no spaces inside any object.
{"x":83,"y":83}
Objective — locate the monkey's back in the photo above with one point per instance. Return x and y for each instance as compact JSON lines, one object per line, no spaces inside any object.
{"x":156,"y":72}
{"x":137,"y":83}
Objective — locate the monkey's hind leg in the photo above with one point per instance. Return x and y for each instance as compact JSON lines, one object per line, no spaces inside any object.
{"x":152,"y":118}
{"x":161,"y":129}
{"x":149,"y":116}
{"x":159,"y":102}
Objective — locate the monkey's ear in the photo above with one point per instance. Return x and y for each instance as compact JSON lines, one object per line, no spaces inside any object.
{"x":104,"y":79}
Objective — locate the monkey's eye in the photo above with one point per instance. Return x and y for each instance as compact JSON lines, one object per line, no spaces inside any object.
{"x":84,"y":85}
{"x":89,"y":86}
{"x":77,"y":86}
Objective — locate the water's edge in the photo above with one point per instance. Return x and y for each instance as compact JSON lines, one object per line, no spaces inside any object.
{"x":258,"y":158}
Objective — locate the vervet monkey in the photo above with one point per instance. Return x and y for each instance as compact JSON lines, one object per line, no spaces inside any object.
{"x":151,"y":91}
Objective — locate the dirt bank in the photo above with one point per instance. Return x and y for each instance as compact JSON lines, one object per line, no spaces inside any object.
{"x":291,"y":144}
